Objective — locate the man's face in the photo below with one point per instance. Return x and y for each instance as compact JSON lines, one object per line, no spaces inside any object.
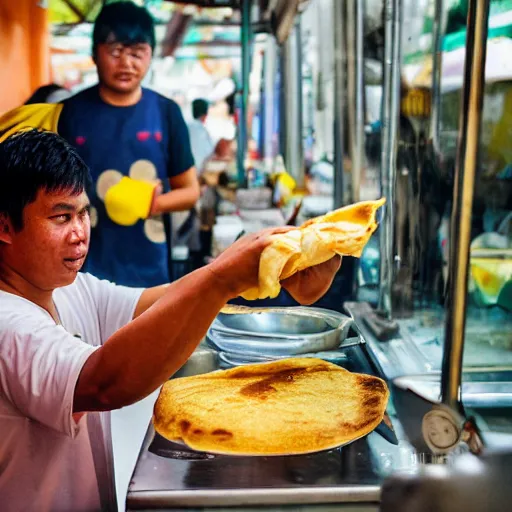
{"x":51,"y":247}
{"x":122,"y":68}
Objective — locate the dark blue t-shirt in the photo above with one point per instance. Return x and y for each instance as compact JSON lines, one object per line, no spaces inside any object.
{"x":145,"y":141}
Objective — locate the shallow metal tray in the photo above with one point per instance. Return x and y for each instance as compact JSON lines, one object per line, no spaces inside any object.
{"x":279,"y":331}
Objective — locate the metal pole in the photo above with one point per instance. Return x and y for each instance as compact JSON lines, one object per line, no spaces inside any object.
{"x":245,"y":36}
{"x":437,"y":36}
{"x":355,"y":85}
{"x":292,"y":74}
{"x":283,"y":127}
{"x":390,"y":118}
{"x":269,"y":99}
{"x":339,"y":99}
{"x":299,"y":122}
{"x":460,"y":229}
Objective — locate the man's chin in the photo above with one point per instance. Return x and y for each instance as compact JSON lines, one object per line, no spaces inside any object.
{"x":68,"y":278}
{"x":125,"y":87}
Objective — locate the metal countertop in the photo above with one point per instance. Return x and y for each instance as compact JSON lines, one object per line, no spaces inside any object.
{"x":169,"y":476}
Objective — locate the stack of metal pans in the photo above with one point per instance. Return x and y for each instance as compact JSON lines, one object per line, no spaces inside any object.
{"x":269,"y":334}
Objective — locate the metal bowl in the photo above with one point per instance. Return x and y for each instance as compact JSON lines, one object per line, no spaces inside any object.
{"x":275,"y":332}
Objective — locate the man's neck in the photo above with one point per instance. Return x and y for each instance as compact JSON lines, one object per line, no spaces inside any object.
{"x":15,"y":284}
{"x":120,"y":99}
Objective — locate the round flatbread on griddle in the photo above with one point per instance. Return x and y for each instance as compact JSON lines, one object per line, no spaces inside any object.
{"x":291,"y":406}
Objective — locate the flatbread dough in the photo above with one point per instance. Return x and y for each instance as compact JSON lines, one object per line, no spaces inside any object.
{"x":345,"y":231}
{"x":290,"y":406}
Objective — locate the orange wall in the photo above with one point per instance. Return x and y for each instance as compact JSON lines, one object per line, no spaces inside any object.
{"x":25,"y":44}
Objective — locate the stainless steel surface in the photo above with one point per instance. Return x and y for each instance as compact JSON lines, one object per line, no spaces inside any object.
{"x":390,"y":116}
{"x":279,"y":331}
{"x":487,"y":395}
{"x":251,"y":497}
{"x":481,"y":389}
{"x":339,"y":26}
{"x":470,"y":484}
{"x":349,"y":474}
{"x":395,"y":357}
{"x":246,"y":43}
{"x":355,"y":92}
{"x":414,"y":356}
{"x":229,"y":360}
{"x":333,"y":507}
{"x":466,"y":166}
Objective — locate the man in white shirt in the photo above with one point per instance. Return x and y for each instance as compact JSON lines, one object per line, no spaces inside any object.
{"x":201,"y":142}
{"x":73,"y":347}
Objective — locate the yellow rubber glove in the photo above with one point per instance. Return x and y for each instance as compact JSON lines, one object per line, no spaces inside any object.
{"x":129,"y":201}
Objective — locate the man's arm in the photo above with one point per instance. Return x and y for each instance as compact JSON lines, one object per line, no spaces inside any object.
{"x":305,"y":287}
{"x":184,"y":194}
{"x":180,"y":167}
{"x":143,"y":354}
{"x":170,"y":321}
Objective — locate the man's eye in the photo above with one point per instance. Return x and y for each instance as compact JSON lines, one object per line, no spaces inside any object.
{"x":61,"y":219}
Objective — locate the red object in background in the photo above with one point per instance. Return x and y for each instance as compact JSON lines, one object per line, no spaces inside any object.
{"x":253,"y":154}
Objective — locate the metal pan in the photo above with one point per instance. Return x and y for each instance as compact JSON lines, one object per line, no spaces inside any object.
{"x":279,"y":331}
{"x":178,"y":449}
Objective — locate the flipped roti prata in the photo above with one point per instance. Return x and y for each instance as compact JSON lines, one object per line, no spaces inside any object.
{"x":344,"y":231}
{"x":291,"y":406}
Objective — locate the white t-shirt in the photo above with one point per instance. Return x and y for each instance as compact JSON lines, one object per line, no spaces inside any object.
{"x":201,"y":143}
{"x":48,"y":462}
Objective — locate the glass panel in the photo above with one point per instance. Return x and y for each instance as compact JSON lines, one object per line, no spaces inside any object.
{"x":489,"y":311}
{"x":427,"y":146}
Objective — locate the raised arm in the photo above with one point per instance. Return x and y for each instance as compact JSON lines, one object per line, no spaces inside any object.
{"x":138,"y":358}
{"x":183,"y":195}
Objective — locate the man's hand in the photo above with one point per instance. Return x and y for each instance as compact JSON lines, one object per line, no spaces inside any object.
{"x":309,"y":285}
{"x":238,"y":266}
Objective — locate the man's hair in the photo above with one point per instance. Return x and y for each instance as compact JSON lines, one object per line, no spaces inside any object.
{"x":43,"y":93}
{"x":199,"y":108}
{"x":125,"y":23}
{"x":36,"y":160}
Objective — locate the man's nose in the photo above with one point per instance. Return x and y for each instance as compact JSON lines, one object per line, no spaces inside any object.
{"x":125,"y":60}
{"x":78,"y":232}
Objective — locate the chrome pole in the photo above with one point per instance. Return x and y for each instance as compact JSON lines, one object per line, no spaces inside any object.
{"x":460,"y":229}
{"x":339,"y":94}
{"x":390,"y":118}
{"x":271,"y":62}
{"x":245,"y":36}
{"x":294,"y":152}
{"x":437,"y":37}
{"x":355,"y":85}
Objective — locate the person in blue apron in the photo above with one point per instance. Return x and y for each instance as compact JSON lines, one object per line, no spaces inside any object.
{"x":136,"y":144}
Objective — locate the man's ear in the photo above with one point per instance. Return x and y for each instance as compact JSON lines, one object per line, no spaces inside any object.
{"x":6,"y":229}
